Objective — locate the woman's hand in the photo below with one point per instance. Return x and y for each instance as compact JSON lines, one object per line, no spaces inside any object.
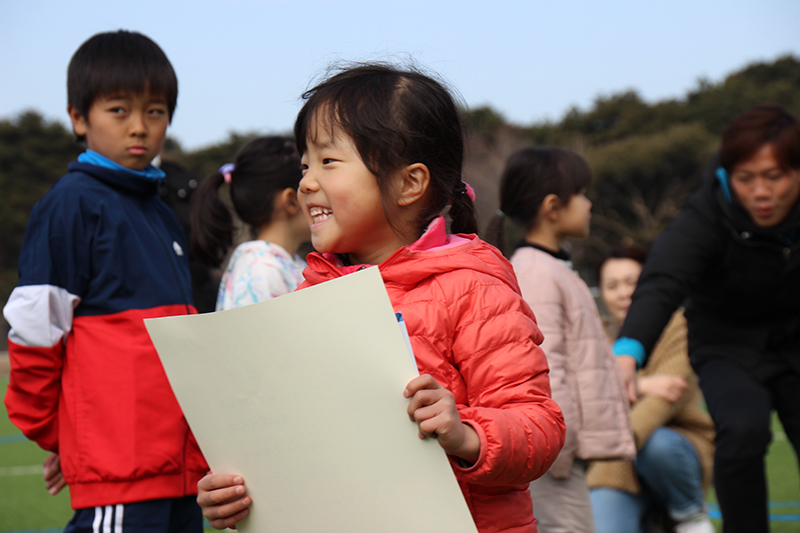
{"x":223,"y":499}
{"x":53,"y":478}
{"x":627,"y":366}
{"x":434,"y":410}
{"x":664,"y":386}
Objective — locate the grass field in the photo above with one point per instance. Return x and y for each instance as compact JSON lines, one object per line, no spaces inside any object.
{"x":26,"y":507}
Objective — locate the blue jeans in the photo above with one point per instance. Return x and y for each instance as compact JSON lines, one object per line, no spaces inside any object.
{"x":670,"y":475}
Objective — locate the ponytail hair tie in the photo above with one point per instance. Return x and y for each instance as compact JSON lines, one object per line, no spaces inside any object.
{"x":227,"y":170}
{"x":462,"y":187}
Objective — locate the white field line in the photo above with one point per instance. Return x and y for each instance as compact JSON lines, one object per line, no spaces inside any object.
{"x":21,"y":470}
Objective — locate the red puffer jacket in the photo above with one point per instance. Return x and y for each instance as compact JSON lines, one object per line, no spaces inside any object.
{"x":472,"y":332}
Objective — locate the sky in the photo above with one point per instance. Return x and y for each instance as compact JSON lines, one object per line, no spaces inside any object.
{"x":243,"y":64}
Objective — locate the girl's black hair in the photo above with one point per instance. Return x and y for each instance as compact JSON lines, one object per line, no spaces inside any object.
{"x":121,"y":61}
{"x":396,"y":118}
{"x":529,"y":176}
{"x":264,"y":167}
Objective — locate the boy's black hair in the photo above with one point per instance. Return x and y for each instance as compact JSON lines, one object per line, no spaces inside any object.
{"x":396,"y":117}
{"x":121,"y":61}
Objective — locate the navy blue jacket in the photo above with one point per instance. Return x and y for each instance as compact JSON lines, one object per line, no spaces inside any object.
{"x":101,"y":253}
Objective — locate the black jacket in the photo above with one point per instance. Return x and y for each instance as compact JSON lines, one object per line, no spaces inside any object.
{"x":740,"y":283}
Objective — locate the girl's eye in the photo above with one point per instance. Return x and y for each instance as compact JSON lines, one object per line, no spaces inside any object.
{"x":117,"y":110}
{"x":328,"y":160}
{"x":157,"y":112}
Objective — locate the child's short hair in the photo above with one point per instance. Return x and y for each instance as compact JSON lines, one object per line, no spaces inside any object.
{"x":121,"y":61}
{"x":396,"y":117}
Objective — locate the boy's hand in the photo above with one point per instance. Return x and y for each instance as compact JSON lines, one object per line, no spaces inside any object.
{"x":223,"y":499}
{"x":53,"y":478}
{"x":434,"y":410}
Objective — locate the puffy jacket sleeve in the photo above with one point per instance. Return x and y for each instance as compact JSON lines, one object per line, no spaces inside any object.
{"x":542,"y":292}
{"x":496,"y":348}
{"x":40,"y":311}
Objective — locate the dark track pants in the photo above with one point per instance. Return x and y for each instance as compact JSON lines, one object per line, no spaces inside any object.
{"x":176,"y":515}
{"x":741,"y":407}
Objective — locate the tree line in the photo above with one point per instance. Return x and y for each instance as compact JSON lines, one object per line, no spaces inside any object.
{"x":646,"y":157}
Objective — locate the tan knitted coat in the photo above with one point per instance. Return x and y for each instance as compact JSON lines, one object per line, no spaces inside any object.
{"x":686,"y":416}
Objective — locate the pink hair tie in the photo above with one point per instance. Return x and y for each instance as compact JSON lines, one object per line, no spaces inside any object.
{"x":227,"y":170}
{"x":462,"y":187}
{"x":469,"y":190}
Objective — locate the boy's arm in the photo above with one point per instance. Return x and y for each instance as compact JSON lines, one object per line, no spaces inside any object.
{"x":40,"y":312}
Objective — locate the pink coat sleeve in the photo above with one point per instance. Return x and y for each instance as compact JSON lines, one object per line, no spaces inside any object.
{"x":541,"y":291}
{"x":496,"y":348}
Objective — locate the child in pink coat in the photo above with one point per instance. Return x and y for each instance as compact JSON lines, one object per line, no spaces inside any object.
{"x":543,"y":192}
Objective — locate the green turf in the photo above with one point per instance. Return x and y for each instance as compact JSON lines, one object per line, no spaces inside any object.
{"x":26,"y":506}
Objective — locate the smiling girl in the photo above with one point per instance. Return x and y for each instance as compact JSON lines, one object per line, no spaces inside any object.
{"x":382,"y":151}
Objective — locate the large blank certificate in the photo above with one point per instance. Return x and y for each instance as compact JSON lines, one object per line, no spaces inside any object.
{"x":303,"y":396}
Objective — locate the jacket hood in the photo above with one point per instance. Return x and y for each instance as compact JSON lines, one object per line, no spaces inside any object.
{"x":409,"y":265}
{"x":120,"y":180}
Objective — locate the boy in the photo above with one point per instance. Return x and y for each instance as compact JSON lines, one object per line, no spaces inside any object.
{"x":101,"y":253}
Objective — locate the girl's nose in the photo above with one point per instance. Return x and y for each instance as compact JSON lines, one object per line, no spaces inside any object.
{"x":307,"y":183}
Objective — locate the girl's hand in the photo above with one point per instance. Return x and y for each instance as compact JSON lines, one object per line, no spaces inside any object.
{"x":53,"y":478}
{"x":664,"y":386}
{"x":434,"y":410}
{"x":223,"y":499}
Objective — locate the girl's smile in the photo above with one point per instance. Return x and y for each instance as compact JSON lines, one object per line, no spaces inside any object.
{"x":342,"y":201}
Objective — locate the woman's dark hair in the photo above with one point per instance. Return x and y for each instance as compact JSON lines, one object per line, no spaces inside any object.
{"x":396,"y":118}
{"x":623,"y":251}
{"x":763,"y":124}
{"x":530,"y":175}
{"x":264,"y":167}
{"x":121,"y":61}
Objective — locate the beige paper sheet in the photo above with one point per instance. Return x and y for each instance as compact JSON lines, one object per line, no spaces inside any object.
{"x":303,"y":396}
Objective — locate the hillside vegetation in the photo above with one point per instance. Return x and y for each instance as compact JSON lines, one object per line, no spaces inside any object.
{"x":646,"y":157}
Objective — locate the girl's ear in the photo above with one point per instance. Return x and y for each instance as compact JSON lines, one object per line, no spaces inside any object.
{"x":550,"y":207}
{"x":287,"y":200}
{"x":414,"y":181}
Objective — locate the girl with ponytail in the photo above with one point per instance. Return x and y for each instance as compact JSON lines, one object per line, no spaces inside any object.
{"x":263,"y":190}
{"x":382,"y":150}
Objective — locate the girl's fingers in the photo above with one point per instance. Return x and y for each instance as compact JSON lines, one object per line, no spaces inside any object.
{"x":218,"y":497}
{"x":425,"y":381}
{"x":218,"y":481}
{"x":228,"y":521}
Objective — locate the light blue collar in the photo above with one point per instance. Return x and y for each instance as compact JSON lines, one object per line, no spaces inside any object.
{"x":93,"y":158}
